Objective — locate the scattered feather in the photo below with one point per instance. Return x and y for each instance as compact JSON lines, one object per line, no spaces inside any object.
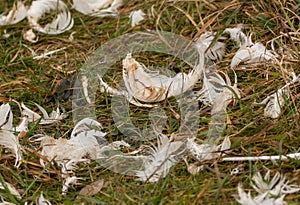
{"x":218,"y":121}
{"x":99,"y":8}
{"x":136,"y":17}
{"x":67,"y":182}
{"x":45,"y":55}
{"x":42,"y":200}
{"x":238,"y":36}
{"x":218,"y":93}
{"x":270,"y":191}
{"x":11,"y":142}
{"x":248,"y":52}
{"x":23,"y":125}
{"x":55,"y":116}
{"x":253,"y":54}
{"x":276,"y":100}
{"x":15,"y":15}
{"x":6,"y":119}
{"x":262,"y":199}
{"x":31,"y":115}
{"x":60,"y":24}
{"x":104,"y":87}
{"x":203,"y":152}
{"x":68,"y":153}
{"x":150,"y":86}
{"x":216,"y":52}
{"x":213,"y":86}
{"x":84,"y":145}
{"x":11,"y":189}
{"x":276,"y":186}
{"x":161,"y":159}
{"x":88,"y":126}
{"x":30,"y":36}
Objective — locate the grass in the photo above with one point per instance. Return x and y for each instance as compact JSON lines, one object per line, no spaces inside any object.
{"x":26,"y":80}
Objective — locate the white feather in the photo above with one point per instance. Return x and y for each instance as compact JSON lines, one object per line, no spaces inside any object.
{"x":11,"y":189}
{"x":270,"y":191}
{"x":147,"y":86}
{"x":276,"y":186}
{"x":54,"y":117}
{"x":42,"y":200}
{"x":261,"y":199}
{"x":15,"y":15}
{"x":136,"y":17}
{"x":6,"y":119}
{"x":238,"y":36}
{"x":11,"y":142}
{"x":213,"y":86}
{"x":203,"y":152}
{"x":216,"y":52}
{"x":252,"y":54}
{"x":32,"y":116}
{"x":60,"y":24}
{"x":276,"y":100}
{"x":99,"y":8}
{"x":161,"y":159}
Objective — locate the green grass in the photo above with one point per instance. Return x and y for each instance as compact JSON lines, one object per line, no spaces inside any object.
{"x":26,"y":80}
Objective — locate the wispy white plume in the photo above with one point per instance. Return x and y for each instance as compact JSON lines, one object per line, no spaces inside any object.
{"x":238,"y":36}
{"x":215,"y":52}
{"x":161,"y":159}
{"x":261,"y":199}
{"x":276,"y":100}
{"x":82,"y":147}
{"x":248,"y":52}
{"x":213,"y":86}
{"x":203,"y":152}
{"x":270,"y":191}
{"x":60,"y":24}
{"x":276,"y":186}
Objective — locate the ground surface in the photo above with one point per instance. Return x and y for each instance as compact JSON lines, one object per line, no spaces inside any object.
{"x":24,"y":79}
